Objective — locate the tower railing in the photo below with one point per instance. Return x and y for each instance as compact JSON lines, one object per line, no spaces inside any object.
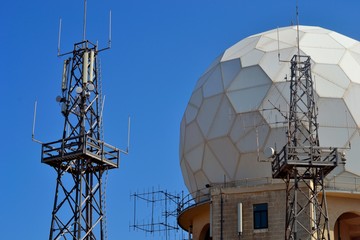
{"x":77,"y":147}
{"x":290,"y":157}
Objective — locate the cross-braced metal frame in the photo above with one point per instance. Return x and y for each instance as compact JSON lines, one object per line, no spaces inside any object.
{"x":80,"y":157}
{"x":302,"y":163}
{"x":164,"y":210}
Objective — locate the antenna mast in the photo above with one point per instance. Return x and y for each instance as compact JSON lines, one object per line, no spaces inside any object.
{"x":81,"y":156}
{"x":84,"y":24}
{"x":302,"y":163}
{"x":297,"y":28}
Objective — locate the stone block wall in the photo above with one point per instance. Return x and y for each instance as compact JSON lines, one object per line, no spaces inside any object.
{"x":224,"y":225}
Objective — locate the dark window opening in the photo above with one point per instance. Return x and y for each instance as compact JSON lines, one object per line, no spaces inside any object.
{"x":260,"y":216}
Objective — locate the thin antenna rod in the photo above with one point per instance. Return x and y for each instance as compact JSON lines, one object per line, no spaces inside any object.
{"x":128,"y":140}
{"x":109,"y":43}
{"x":257,"y":142}
{"x":278,"y":43}
{"x":34,"y":120}
{"x":59,"y":37}
{"x":84,"y":27}
{"x":347,"y":127}
{"x":297,"y":26}
{"x":33,"y":128}
{"x":102,"y":110}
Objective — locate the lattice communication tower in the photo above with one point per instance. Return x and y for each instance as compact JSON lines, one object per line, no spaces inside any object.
{"x":302,"y":163}
{"x":80,"y":157}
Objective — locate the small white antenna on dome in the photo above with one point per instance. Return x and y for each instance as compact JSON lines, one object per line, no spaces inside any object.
{"x":347,"y":127}
{"x":257,"y":143}
{"x":278,"y":43}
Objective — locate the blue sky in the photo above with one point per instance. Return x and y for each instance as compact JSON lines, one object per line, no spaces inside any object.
{"x":159,"y":50}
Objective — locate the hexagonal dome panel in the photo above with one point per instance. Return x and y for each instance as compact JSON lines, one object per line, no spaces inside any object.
{"x":238,"y":106}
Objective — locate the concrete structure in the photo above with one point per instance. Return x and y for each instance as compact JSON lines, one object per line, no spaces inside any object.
{"x":237,"y":111}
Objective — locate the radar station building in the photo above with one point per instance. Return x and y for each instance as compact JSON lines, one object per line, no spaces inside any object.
{"x":237,"y":119}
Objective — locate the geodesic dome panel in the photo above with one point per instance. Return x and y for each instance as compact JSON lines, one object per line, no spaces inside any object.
{"x":239,"y":104}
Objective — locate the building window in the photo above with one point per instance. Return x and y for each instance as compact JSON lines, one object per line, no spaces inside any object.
{"x":260,"y":216}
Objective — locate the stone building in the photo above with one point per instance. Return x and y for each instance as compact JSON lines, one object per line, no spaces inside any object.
{"x":238,"y":109}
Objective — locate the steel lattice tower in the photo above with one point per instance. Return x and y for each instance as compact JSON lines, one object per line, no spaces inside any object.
{"x":81,"y":157}
{"x":302,"y":163}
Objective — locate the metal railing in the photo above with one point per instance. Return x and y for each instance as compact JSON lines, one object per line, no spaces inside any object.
{"x":289,"y":156}
{"x":70,"y":148}
{"x":343,"y":183}
{"x":336,"y":183}
{"x":203,"y":195}
{"x":193,"y":199}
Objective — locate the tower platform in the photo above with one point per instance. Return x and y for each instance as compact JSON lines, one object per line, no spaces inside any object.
{"x":102,"y":154}
{"x":303,"y":159}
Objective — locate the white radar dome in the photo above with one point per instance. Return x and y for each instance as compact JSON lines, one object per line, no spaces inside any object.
{"x":237,"y":109}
